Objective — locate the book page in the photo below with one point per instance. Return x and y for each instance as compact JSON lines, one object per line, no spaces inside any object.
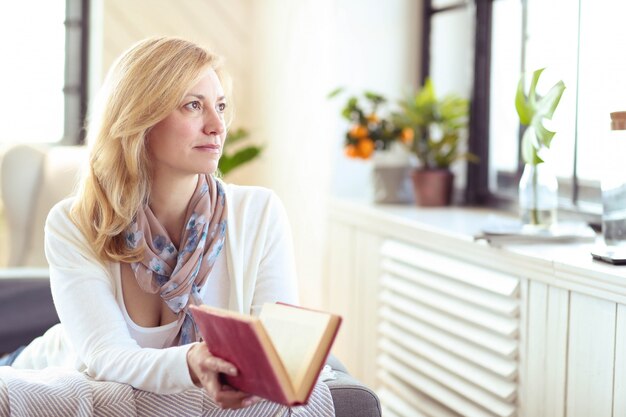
{"x":296,"y":334}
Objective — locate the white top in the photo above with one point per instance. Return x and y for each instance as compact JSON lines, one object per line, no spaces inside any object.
{"x":214,"y":292}
{"x":97,"y":336}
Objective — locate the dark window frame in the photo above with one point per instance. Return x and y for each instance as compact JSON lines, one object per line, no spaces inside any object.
{"x":477,"y":185}
{"x":75,"y":87}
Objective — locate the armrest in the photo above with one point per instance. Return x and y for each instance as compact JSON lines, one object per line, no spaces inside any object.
{"x":24,"y":273}
{"x":350,"y":397}
{"x":26,"y":306}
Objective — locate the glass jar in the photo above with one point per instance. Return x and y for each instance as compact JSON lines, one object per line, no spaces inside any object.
{"x":613,"y":182}
{"x":538,"y":196}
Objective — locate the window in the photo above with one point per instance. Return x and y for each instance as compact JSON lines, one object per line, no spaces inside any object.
{"x":580,"y":42}
{"x":43,"y":76}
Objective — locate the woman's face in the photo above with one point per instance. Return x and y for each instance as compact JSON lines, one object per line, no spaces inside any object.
{"x":190,"y":139}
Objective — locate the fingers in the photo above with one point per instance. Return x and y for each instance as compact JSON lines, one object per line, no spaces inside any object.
{"x":251,"y":400}
{"x":210,"y":368}
{"x":200,"y":357}
{"x":217,"y":365}
{"x":230,"y":398}
{"x":205,"y":369}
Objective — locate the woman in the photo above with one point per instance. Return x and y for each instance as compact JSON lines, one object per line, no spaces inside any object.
{"x":152,"y":231}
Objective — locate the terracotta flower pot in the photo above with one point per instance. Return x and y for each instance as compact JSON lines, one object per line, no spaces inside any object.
{"x":433,"y":187}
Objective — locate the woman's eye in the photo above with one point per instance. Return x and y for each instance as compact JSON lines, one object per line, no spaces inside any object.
{"x":194,"y":105}
{"x":221,"y":107}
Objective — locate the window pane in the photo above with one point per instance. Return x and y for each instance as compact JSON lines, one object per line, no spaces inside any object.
{"x":452,"y":61}
{"x":452,"y":51}
{"x":551,"y":44}
{"x":505,"y":69}
{"x":32,"y":73}
{"x":602,"y":79}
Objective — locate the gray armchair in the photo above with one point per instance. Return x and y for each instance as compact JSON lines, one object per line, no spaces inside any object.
{"x":27,"y":311}
{"x":26,"y":308}
{"x":351,"y":397}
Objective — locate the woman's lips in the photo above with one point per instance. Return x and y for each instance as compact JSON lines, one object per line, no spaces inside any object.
{"x":208,"y":148}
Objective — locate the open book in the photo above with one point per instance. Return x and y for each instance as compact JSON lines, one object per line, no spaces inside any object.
{"x":279,"y":354}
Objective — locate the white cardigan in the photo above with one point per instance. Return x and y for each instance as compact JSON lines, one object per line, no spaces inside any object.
{"x":93,"y":335}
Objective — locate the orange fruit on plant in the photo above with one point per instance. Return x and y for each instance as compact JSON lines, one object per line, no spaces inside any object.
{"x":407,"y":135}
{"x":366,"y":148}
{"x":358,"y":132}
{"x":372,"y":118}
{"x":351,"y":151}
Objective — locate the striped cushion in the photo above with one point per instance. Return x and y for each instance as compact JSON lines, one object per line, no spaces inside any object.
{"x":55,"y":392}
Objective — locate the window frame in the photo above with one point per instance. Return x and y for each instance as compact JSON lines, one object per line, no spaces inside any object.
{"x":75,"y":87}
{"x":477,"y":184}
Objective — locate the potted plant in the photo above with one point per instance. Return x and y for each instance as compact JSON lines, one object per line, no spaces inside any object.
{"x":235,"y":154}
{"x":434,"y":128}
{"x":372,"y":135}
{"x":538,"y":187}
{"x":370,"y":130}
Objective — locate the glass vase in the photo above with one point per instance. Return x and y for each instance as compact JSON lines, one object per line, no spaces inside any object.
{"x":538,"y":196}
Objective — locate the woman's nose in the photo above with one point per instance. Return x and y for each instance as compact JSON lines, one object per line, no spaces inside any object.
{"x":214,"y":123}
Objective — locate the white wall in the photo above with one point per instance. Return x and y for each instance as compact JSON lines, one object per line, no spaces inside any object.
{"x":304,"y":49}
{"x":285,"y":56}
{"x":376,"y":49}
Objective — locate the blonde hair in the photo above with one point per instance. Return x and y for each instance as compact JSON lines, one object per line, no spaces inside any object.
{"x":144,"y":86}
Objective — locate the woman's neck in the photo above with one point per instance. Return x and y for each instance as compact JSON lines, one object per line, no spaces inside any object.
{"x":169,"y":199}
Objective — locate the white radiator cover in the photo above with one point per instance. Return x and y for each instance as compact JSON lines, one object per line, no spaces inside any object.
{"x":442,"y":325}
{"x":448,"y":333}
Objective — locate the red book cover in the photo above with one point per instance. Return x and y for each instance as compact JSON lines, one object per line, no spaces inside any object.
{"x":237,"y":342}
{"x":247,"y":343}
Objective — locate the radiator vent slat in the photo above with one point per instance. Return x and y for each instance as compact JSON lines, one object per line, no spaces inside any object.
{"x":499,"y":387}
{"x":506,"y":347}
{"x":507,"y":306}
{"x":506,"y":368}
{"x":505,"y":326}
{"x":457,"y":269}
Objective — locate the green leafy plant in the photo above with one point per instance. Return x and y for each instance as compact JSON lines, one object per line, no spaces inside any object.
{"x":369,"y":130}
{"x":532,"y":109}
{"x":234,"y":155}
{"x":436,"y":126}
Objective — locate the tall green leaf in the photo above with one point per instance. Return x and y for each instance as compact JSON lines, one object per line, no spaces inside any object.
{"x":236,"y":136}
{"x":335,"y":92}
{"x":228,"y":163}
{"x":532,"y":110}
{"x":231,"y":160}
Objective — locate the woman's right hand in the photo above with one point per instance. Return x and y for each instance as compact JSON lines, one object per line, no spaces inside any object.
{"x":205,"y":368}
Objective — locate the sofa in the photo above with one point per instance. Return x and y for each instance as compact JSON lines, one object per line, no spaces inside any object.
{"x":32,"y":179}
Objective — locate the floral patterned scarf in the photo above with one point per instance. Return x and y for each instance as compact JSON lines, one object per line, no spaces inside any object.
{"x":178,"y":275}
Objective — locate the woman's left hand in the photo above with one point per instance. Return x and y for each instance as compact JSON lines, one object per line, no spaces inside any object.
{"x":205,"y":368}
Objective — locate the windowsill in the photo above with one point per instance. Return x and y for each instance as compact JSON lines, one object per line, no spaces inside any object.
{"x":451,"y":230}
